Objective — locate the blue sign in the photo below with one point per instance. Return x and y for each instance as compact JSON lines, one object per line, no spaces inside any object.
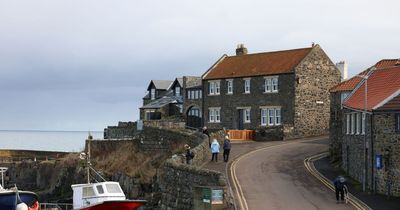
{"x":378,"y":162}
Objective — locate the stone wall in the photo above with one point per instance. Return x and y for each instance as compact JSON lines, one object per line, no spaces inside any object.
{"x":386,"y":139}
{"x":315,"y":75}
{"x":122,"y":131}
{"x":165,"y":124}
{"x":24,"y":155}
{"x":335,"y":128}
{"x":177,"y":180}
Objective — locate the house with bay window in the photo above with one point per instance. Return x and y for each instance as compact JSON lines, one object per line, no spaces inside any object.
{"x":287,"y":90}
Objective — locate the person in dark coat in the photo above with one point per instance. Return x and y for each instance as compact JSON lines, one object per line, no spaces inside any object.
{"x":205,"y":132}
{"x":340,"y":185}
{"x":189,"y":155}
{"x":227,"y":148}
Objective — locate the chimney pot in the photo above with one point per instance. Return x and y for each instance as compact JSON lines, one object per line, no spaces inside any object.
{"x":241,"y":49}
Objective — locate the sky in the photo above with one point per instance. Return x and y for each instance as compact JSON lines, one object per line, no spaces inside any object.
{"x":85,"y":64}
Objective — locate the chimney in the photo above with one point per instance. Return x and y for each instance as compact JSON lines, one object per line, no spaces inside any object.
{"x":343,"y":68}
{"x":241,"y":50}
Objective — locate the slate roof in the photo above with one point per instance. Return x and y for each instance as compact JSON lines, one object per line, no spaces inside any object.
{"x":258,"y":64}
{"x":193,"y":82}
{"x":351,"y":83}
{"x":382,"y":86}
{"x":161,"y":102}
{"x":160,"y":84}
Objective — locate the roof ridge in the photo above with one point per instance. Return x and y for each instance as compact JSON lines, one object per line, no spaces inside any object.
{"x":270,"y":52}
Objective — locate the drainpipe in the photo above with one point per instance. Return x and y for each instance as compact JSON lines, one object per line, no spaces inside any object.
{"x":373,"y":180}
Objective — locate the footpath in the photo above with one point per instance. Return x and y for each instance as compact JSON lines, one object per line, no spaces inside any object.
{"x":377,"y":202}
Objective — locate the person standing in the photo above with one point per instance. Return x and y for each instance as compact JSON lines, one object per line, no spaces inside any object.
{"x":215,"y":150}
{"x":205,"y":132}
{"x":189,"y":155}
{"x":227,"y":148}
{"x":340,"y":185}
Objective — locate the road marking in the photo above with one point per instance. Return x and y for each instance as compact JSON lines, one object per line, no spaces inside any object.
{"x":309,"y":164}
{"x":236,"y":184}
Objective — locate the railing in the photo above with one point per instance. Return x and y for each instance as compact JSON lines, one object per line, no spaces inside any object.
{"x":55,"y":206}
{"x":242,"y":134}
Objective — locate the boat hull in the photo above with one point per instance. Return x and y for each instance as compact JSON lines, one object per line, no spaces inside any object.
{"x":116,"y":205}
{"x":7,"y":199}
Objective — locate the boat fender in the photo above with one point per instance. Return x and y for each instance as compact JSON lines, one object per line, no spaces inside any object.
{"x":21,"y":206}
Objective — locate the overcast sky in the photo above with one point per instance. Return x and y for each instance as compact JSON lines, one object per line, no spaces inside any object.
{"x":83,"y":65}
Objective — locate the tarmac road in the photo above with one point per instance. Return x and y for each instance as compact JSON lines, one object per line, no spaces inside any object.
{"x":275,"y":178}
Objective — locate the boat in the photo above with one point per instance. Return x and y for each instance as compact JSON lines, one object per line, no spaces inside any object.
{"x":103,"y":195}
{"x":14,"y":199}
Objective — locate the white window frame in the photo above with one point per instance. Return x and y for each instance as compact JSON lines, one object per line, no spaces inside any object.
{"x":278,"y":117}
{"x":247,"y":85}
{"x":357,"y":128}
{"x":247,"y":115}
{"x":200,"y":93}
{"x":152,"y":93}
{"x":264,"y":116}
{"x":217,"y":88}
{"x":352,"y":123}
{"x":177,"y":91}
{"x":214,"y":114}
{"x":274,"y":85}
{"x":347,"y":124}
{"x":267,"y":85}
{"x":363,"y":116}
{"x":214,"y":87}
{"x":271,"y":123}
{"x":196,"y":94}
{"x":229,"y":86}
{"x":211,"y":90}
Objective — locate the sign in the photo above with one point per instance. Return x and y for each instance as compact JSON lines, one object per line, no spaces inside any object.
{"x":206,"y":195}
{"x":217,"y":196}
{"x":378,"y":162}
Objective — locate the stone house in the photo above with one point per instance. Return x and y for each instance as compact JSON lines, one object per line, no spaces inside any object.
{"x":163,"y":100}
{"x":338,"y":94}
{"x":192,"y":101}
{"x":367,"y":127}
{"x":283,"y":90}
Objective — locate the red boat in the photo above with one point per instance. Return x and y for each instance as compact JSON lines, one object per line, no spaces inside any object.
{"x":102,"y":196}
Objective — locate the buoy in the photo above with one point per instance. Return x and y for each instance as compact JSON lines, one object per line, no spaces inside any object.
{"x":21,"y":206}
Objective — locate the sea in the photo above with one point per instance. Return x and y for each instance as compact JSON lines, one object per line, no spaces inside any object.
{"x":62,"y":141}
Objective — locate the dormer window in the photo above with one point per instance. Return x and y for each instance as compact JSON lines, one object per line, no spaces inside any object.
{"x":153,"y":94}
{"x":177,"y":91}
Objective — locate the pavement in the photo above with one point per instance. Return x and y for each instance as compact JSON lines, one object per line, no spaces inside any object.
{"x":374,"y":201}
{"x":240,"y":148}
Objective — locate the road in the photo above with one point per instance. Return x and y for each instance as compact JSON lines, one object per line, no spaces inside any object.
{"x":275,"y":178}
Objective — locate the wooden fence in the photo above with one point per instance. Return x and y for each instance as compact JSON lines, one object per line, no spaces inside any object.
{"x":242,"y":134}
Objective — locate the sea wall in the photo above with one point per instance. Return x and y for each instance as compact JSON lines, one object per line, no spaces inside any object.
{"x":23,"y":155}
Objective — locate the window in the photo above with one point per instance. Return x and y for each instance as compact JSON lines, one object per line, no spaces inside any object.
{"x":100,"y":189}
{"x":347,"y":123}
{"x":153,"y":94}
{"x":200,"y":93}
{"x":363,"y":124}
{"x":214,"y":115}
{"x":113,"y":188}
{"x":277,"y":116}
{"x":267,"y":85}
{"x":270,"y":84}
{"x":246,"y":85}
{"x":358,"y":122}
{"x":229,"y":85}
{"x":196,"y":94}
{"x":271,"y":116}
{"x":397,"y":122}
{"x":88,"y":191}
{"x":214,"y":87}
{"x":264,"y":114}
{"x":352,"y":123}
{"x":177,"y":91}
{"x":246,"y":115}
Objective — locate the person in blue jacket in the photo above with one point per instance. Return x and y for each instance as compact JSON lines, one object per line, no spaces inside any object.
{"x":214,"y":150}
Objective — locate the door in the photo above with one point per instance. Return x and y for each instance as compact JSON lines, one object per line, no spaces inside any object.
{"x":193,"y":118}
{"x":240,"y":119}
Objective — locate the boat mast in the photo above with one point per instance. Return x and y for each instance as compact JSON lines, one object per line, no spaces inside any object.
{"x":88,"y":158}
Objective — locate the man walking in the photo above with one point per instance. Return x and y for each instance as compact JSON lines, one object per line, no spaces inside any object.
{"x":340,"y":185}
{"x":227,"y":148}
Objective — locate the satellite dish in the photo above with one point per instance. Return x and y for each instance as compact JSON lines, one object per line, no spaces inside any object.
{"x":82,"y":156}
